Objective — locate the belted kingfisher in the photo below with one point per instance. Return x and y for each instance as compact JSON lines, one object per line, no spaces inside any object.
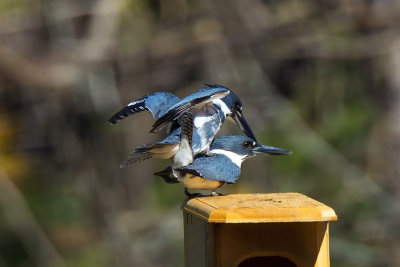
{"x":161,"y":102}
{"x":223,"y":166}
{"x":209,"y":107}
{"x":204,"y":103}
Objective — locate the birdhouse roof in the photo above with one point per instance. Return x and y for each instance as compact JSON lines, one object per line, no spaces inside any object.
{"x":259,"y":208}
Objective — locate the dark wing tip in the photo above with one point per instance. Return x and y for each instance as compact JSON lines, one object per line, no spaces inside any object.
{"x":112,"y":120}
{"x":132,"y":108}
{"x":118,"y":116}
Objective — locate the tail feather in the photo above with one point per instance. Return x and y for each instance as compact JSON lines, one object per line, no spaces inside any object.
{"x":136,"y":157}
{"x":187,"y":127}
{"x":148,"y":151}
{"x":184,"y":155}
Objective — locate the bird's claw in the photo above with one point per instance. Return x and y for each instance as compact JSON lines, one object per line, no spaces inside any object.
{"x":209,"y":154}
{"x":192,"y":195}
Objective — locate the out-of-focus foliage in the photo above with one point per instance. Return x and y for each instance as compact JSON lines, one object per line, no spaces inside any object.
{"x":320,"y":78}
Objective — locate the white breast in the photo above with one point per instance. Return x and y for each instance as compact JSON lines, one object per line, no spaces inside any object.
{"x":200,"y":121}
{"x":183,"y":156}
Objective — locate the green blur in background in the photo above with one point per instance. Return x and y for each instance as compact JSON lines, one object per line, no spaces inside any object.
{"x":321,"y":78}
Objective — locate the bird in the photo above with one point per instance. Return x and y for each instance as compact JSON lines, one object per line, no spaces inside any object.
{"x":222,"y":166}
{"x":160,"y":102}
{"x":209,"y":107}
{"x":202,"y":104}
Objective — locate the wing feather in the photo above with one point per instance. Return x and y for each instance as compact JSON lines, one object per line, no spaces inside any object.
{"x":200,"y":97}
{"x":216,"y":168}
{"x":157,"y":103}
{"x":132,"y":108}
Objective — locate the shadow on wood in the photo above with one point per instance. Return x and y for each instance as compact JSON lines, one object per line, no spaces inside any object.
{"x":267,"y":261}
{"x":287,"y":229}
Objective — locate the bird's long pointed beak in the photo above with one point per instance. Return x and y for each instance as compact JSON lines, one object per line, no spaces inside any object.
{"x":270,"y":150}
{"x":243,"y":125}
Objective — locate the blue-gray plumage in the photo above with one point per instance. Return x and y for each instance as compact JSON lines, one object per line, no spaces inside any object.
{"x":201,"y":97}
{"x":202,"y":138}
{"x":245,"y":147}
{"x":209,"y":107}
{"x":223,"y":166}
{"x":217,"y":168}
{"x":205,"y":102}
{"x":158,"y":104}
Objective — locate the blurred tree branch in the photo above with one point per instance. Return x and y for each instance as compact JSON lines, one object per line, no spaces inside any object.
{"x":23,"y":224}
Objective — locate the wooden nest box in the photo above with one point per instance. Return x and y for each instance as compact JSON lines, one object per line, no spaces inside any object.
{"x":287,"y":229}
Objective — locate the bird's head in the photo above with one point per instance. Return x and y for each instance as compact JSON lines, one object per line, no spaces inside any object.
{"x":235,"y":107}
{"x":244,"y":147}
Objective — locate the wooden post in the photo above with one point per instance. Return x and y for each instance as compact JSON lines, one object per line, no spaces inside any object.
{"x":287,"y":229}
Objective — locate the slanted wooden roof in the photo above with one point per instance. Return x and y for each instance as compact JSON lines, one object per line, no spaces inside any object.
{"x":259,"y":208}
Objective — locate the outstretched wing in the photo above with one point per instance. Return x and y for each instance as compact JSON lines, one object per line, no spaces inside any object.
{"x":216,"y":168}
{"x":202,"y":96}
{"x":157,"y":103}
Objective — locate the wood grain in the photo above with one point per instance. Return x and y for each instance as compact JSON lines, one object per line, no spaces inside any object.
{"x":246,"y":208}
{"x":282,"y":229}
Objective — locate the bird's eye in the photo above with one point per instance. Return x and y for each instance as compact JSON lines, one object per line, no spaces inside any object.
{"x":249,"y":144}
{"x":238,"y":106}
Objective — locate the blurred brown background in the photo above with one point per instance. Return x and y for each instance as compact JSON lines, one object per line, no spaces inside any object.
{"x":321,"y":78}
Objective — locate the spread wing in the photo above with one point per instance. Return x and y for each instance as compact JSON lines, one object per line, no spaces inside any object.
{"x":157,"y":103}
{"x":202,"y":96}
{"x":216,"y":168}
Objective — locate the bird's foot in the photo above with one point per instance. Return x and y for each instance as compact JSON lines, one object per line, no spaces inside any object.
{"x":213,"y":193}
{"x":192,"y":195}
{"x":209,"y":154}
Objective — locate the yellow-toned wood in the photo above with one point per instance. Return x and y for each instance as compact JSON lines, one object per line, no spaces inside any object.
{"x":297,"y":242}
{"x":277,"y":207}
{"x":235,"y":229}
{"x":323,"y":252}
{"x":197,"y":242}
